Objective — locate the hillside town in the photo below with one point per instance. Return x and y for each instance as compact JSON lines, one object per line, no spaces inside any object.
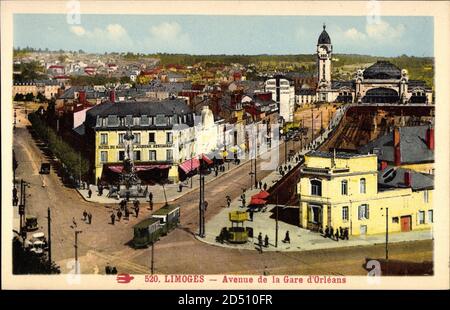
{"x":231,"y":162}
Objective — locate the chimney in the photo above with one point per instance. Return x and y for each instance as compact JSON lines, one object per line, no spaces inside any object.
{"x":82,"y":96}
{"x":396,"y":137}
{"x":430,"y":138}
{"x":112,"y":95}
{"x":383,"y":165}
{"x":408,"y":178}
{"x":397,"y":156}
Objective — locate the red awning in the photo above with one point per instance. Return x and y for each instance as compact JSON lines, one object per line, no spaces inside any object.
{"x":116,"y":169}
{"x":257,"y":201}
{"x":206,"y":159}
{"x":190,"y":165}
{"x":150,"y":167}
{"x":119,"y":168}
{"x":261,"y":195}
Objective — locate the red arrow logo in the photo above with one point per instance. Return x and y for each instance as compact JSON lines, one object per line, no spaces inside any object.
{"x":124,"y":278}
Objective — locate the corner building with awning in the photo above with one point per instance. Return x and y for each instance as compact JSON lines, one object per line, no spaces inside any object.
{"x":169,"y":139}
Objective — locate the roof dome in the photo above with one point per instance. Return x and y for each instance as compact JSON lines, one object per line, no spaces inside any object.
{"x":382,"y":70}
{"x":324,"y":38}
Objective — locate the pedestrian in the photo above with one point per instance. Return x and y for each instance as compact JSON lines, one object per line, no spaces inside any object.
{"x":137,"y":211}
{"x":127,"y":213}
{"x":113,"y":218}
{"x":260,"y":184}
{"x":151,"y":205}
{"x":289,"y":167}
{"x":90,"y":217}
{"x":136,"y":203}
{"x":346,"y":233}
{"x":266,"y":272}
{"x":84,"y":215}
{"x":327,"y":231}
{"x":216,"y":172}
{"x":243,"y":202}
{"x":108,"y":269}
{"x":251,"y":215}
{"x":341,"y":232}
{"x":127,"y":196}
{"x":260,"y":242}
{"x":266,"y":241}
{"x":265,"y":186}
{"x":228,"y":201}
{"x":180,"y":187}
{"x":150,"y":196}
{"x":114,"y":270}
{"x":100,"y":190}
{"x":287,"y":239}
{"x":331,"y":232}
{"x":119,"y":215}
{"x":206,"y":205}
{"x":89,"y":193}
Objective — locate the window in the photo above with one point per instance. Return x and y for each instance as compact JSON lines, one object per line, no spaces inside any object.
{"x":345,"y":214}
{"x":315,"y":214}
{"x":121,"y":155}
{"x":136,"y":121}
{"x":152,"y":155}
{"x":430,"y":216}
{"x":421,"y":218}
{"x":121,"y":135}
{"x":169,"y":155}
{"x":316,"y":187}
{"x":363,"y":212}
{"x":362,"y":186}
{"x":425,"y":196}
{"x":104,"y":138}
{"x":103,"y":156}
{"x":104,"y":121}
{"x":344,"y":187}
{"x":137,"y":155}
{"x":137,"y":138}
{"x":151,"y":137}
{"x":169,"y":137}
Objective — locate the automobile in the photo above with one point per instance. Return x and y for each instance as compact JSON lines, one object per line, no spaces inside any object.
{"x":37,"y":242}
{"x":31,"y":223}
{"x":45,"y":168}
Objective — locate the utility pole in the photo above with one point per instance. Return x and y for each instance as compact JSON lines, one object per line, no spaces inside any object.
{"x":49,"y":233}
{"x":256,"y":155}
{"x":201,"y":206}
{"x":76,"y":250}
{"x":152,"y":264}
{"x":312,"y":124}
{"x":276,"y":225}
{"x":387,"y":233}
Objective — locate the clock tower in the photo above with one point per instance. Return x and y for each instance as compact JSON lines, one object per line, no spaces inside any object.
{"x":324,"y":49}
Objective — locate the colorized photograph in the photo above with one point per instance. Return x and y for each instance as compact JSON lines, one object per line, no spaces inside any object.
{"x":186,"y":145}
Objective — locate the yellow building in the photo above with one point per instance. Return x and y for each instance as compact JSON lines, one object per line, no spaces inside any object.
{"x":167,"y":135}
{"x":346,"y":190}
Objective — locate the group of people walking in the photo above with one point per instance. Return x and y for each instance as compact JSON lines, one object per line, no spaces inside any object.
{"x":124,"y":211}
{"x":339,"y":233}
{"x":87,"y":217}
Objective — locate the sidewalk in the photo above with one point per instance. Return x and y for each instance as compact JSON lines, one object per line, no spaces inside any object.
{"x":301,"y":239}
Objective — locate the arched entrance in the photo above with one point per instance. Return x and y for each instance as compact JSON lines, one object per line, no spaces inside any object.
{"x":381,"y":95}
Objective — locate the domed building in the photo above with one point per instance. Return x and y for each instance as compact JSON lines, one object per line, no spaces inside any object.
{"x":380,"y":83}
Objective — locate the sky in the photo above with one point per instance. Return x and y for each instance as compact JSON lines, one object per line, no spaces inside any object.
{"x":250,"y":35}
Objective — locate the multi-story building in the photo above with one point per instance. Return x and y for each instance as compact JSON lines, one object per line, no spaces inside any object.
{"x":283,"y":93}
{"x":48,"y":88}
{"x":347,"y":190}
{"x":168,"y":138}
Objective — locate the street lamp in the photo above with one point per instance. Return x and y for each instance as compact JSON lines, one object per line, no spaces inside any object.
{"x":76,"y":232}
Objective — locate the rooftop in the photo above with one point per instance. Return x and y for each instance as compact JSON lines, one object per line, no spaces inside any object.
{"x":395,"y":178}
{"x":335,"y":155}
{"x":382,"y":70}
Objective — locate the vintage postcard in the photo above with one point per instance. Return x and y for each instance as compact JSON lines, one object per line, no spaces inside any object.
{"x":225,"y":145}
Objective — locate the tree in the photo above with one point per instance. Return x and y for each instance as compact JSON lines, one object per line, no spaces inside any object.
{"x":29,"y":97}
{"x":40,"y":97}
{"x":26,"y":262}
{"x":18,"y":97}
